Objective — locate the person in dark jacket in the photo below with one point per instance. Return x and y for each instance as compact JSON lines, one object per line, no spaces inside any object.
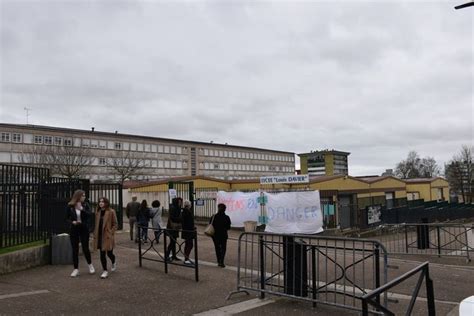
{"x":221,"y":223}
{"x":143,"y":218}
{"x":189,"y":231}
{"x":78,"y":215}
{"x":173,"y":226}
{"x":132,"y":212}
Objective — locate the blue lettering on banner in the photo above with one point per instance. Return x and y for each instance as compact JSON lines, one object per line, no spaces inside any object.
{"x":293,"y":214}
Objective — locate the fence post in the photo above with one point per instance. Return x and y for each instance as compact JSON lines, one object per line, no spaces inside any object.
{"x":365,"y":307}
{"x":377,"y":270}
{"x":313,"y":274}
{"x":262,"y":267}
{"x":165,"y":233}
{"x":429,"y":292}
{"x":439,"y":240}
{"x":196,"y":266}
{"x":406,"y":239}
{"x":139,"y":246}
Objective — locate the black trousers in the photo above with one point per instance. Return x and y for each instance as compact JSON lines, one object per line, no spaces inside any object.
{"x":173,"y":236}
{"x":80,"y":233}
{"x":220,"y":244}
{"x":103,"y":259}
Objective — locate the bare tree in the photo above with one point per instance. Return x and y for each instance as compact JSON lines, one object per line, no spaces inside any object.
{"x":67,"y":161}
{"x":429,"y":168}
{"x":415,"y":167}
{"x":126,"y":164}
{"x":460,"y":173}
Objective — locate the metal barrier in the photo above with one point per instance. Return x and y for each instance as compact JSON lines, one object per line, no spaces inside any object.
{"x":439,"y":239}
{"x":151,"y":252}
{"x":423,"y":269}
{"x":319,"y":269}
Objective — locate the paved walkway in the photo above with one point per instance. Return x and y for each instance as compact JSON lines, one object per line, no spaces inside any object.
{"x":148,"y":290}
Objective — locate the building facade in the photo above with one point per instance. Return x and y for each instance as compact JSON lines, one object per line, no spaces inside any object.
{"x":324,"y":163}
{"x":158,"y":157}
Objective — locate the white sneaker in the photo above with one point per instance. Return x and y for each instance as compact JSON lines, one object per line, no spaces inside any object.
{"x":75,"y":273}
{"x":104,"y":275}
{"x":91,"y":269}
{"x":188,"y":262}
{"x":114,"y":266}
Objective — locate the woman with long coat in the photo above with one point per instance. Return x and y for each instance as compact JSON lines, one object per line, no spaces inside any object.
{"x":104,"y":234}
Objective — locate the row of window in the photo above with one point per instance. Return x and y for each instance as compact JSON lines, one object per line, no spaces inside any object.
{"x":167,"y":149}
{"x":170,"y":164}
{"x":243,"y":167}
{"x":13,"y":137}
{"x":244,"y":155}
{"x":155,"y":177}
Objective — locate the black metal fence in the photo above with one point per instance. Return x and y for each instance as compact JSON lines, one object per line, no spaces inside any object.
{"x":33,"y":204}
{"x":370,"y":299}
{"x":319,"y":269}
{"x":20,"y":204}
{"x":435,"y":239}
{"x":148,"y":248}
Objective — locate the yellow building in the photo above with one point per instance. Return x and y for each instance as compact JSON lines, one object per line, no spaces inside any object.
{"x":344,"y":195}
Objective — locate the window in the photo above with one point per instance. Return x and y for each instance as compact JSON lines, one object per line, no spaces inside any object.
{"x":239,"y":154}
{"x":58,"y":141}
{"x":173,"y":164}
{"x":178,"y":151}
{"x":251,"y":155}
{"x":17,"y":138}
{"x":216,"y":166}
{"x":206,"y":165}
{"x":173,"y":150}
{"x":167,"y":149}
{"x":67,"y":141}
{"x":160,"y":164}
{"x":140,"y":147}
{"x":179,"y":165}
{"x":94,"y":143}
{"x":206,"y":152}
{"x":211,"y":152}
{"x":48,"y":140}
{"x":118,"y":146}
{"x":147,"y":147}
{"x":102,"y":161}
{"x":5,"y":137}
{"x":38,"y":139}
{"x":167,"y":163}
{"x":160,"y":148}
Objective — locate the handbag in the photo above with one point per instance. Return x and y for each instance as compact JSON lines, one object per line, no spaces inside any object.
{"x":210,"y":231}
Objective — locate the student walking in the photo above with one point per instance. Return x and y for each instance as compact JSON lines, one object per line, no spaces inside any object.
{"x":156,"y":221}
{"x":143,"y":219}
{"x":78,"y":215}
{"x":132,"y":211}
{"x":221,"y":223}
{"x":104,"y":234}
{"x":173,"y":226}
{"x":189,"y":231}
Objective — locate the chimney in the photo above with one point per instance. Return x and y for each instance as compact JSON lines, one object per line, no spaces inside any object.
{"x":116,"y":132}
{"x":92,"y":128}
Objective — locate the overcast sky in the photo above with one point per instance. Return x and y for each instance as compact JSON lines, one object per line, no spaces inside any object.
{"x":377,"y":79}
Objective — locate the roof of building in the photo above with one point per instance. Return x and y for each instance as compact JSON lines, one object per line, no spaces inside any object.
{"x":142,"y":137}
{"x":326,"y":151}
{"x":423,"y":180}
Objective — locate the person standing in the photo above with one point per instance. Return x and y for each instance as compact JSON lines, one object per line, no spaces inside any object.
{"x":173,"y":226}
{"x":143,"y":219}
{"x":78,"y":215}
{"x":221,"y":223}
{"x":189,"y":231}
{"x":132,"y":211}
{"x":104,"y":234}
{"x":156,"y":222}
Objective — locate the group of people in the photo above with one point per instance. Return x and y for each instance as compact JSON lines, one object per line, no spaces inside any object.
{"x":78,"y":216}
{"x":139,"y":216}
{"x":180,"y":219}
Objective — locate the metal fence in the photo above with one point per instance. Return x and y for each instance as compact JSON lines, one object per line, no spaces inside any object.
{"x":20,"y":220}
{"x":149,"y":250}
{"x":319,"y":269}
{"x":33,"y":204}
{"x":435,"y":239}
{"x":423,"y":271}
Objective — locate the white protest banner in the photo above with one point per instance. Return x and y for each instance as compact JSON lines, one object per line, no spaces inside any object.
{"x":240,"y":206}
{"x":294,"y":212}
{"x":172,"y":193}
